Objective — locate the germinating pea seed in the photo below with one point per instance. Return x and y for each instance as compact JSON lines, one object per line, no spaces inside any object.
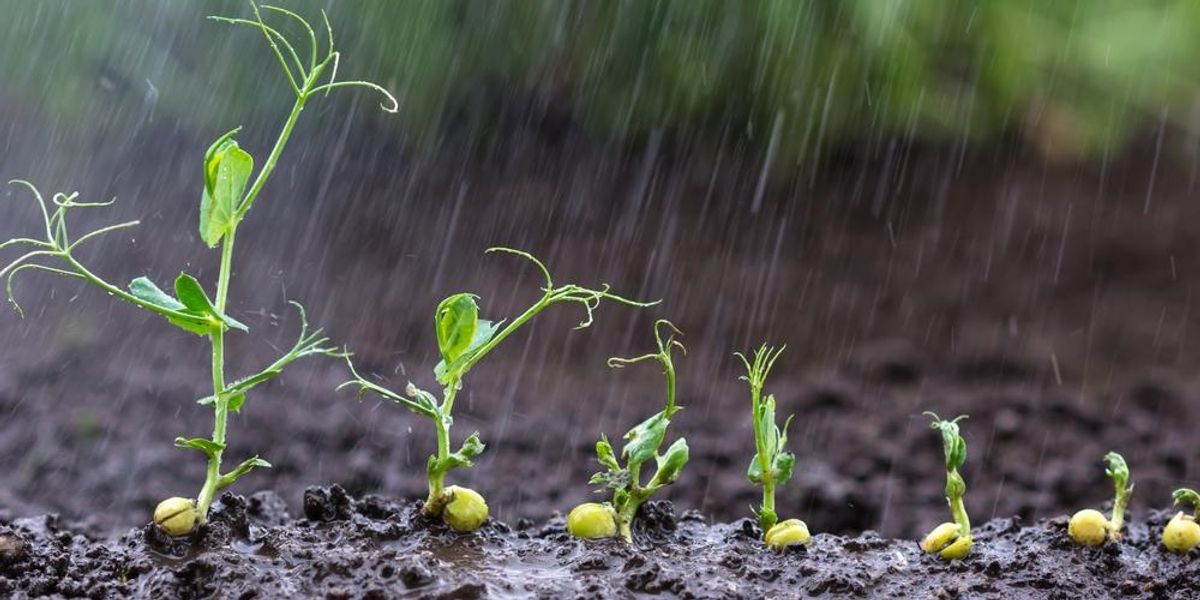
{"x":466,"y":511}
{"x":791,"y":532}
{"x":942,"y":536}
{"x":958,"y":550}
{"x":592,"y":520}
{"x":176,"y":516}
{"x":1088,"y":527}
{"x":1181,"y":534}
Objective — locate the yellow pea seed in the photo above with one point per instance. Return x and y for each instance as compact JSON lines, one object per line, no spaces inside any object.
{"x":592,"y":520}
{"x":958,"y":550}
{"x":1088,"y":527}
{"x":1181,"y":534}
{"x":176,"y":516}
{"x":942,"y":536}
{"x":466,"y":511}
{"x":788,"y":533}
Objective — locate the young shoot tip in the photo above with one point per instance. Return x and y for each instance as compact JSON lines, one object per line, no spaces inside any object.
{"x":1182,"y":532}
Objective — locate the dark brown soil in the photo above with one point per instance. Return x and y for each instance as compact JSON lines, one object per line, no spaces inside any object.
{"x":372,"y":547}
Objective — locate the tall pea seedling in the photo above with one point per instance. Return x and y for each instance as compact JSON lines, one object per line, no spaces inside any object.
{"x":464,"y":339}
{"x":771,"y":465}
{"x":224,"y":203}
{"x":593,"y":520}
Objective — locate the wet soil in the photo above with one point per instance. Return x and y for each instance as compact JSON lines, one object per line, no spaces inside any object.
{"x":372,"y":547}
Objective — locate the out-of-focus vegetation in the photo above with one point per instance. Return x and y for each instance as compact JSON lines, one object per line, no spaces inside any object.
{"x":794,"y":77}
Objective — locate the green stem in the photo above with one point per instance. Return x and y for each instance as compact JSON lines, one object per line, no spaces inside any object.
{"x":273,"y":158}
{"x":524,"y":317}
{"x":1118,"y":513}
{"x":767,"y":517}
{"x":625,"y":519}
{"x":959,"y":510}
{"x":212,"y":475}
{"x":436,"y":502}
{"x":669,"y":367}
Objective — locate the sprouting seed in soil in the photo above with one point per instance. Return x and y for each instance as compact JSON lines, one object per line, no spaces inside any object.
{"x":225,"y":201}
{"x":1088,"y":527}
{"x":771,"y":465}
{"x":642,"y":443}
{"x":1182,"y":532}
{"x":464,"y":339}
{"x":951,"y":540}
{"x":593,"y":521}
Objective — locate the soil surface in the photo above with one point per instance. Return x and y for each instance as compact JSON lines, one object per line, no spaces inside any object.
{"x":372,"y":547}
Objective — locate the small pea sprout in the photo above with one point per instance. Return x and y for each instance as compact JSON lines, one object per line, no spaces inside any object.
{"x":464,"y":339}
{"x":595,"y":520}
{"x":224,"y":203}
{"x":951,"y":541}
{"x":1088,"y":527}
{"x":1182,"y":532}
{"x":771,"y":465}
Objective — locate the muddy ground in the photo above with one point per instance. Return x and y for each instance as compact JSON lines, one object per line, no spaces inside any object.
{"x":370,"y":547}
{"x":1052,"y":303}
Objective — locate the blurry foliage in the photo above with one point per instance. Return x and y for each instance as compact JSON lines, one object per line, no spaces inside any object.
{"x":1072,"y":78}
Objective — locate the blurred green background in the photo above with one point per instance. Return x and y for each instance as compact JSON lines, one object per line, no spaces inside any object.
{"x":792,"y":78}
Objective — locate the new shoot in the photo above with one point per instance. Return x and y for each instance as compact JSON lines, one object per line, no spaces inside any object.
{"x":1182,"y":533}
{"x":772,"y":465}
{"x":1088,"y":527}
{"x":464,"y":339}
{"x":224,"y":203}
{"x":951,"y":541}
{"x":595,"y":520}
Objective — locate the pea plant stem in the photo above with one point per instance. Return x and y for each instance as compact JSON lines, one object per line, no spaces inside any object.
{"x":959,"y":510}
{"x":437,"y":476}
{"x":212,"y":476}
{"x":766,"y":519}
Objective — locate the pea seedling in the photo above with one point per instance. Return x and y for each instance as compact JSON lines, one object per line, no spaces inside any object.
{"x":951,"y":541}
{"x":224,"y":203}
{"x":594,"y":520}
{"x":1182,"y":532}
{"x":464,"y":339}
{"x":1088,"y":527}
{"x":772,"y":465}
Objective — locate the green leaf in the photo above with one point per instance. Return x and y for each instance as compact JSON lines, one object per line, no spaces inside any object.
{"x":207,"y":446}
{"x":165,"y":304}
{"x":456,"y":319}
{"x":783,"y":465}
{"x":643,"y":441}
{"x":243,"y":467}
{"x":671,"y":463}
{"x":144,"y":289}
{"x":766,"y":424}
{"x":604,"y":454}
{"x":192,"y":295}
{"x":210,"y":164}
{"x":484,"y":331}
{"x":754,"y":473}
{"x":196,"y":301}
{"x":959,"y":455}
{"x":227,"y":170}
{"x":236,"y":402}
